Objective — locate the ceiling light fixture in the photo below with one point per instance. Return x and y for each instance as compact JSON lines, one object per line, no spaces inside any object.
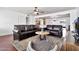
{"x":36,"y":11}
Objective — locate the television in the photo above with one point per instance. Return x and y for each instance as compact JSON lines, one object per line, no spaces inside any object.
{"x":77,"y":25}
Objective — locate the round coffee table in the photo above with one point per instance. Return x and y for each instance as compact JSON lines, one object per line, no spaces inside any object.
{"x":42,"y":34}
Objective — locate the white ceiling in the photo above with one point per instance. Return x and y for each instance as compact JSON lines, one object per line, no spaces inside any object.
{"x":47,"y":10}
{"x":54,"y":17}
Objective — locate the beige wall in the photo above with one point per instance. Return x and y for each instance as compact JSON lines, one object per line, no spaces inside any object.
{"x":8,"y":19}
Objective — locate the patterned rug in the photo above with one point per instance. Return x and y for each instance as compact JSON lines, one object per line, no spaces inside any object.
{"x":22,"y":45}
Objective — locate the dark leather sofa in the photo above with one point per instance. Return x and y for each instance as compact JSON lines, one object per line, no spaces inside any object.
{"x":55,"y":30}
{"x":21,"y":32}
{"x":24,"y":31}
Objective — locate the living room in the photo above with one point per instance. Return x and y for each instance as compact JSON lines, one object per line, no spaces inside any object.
{"x":49,"y":26}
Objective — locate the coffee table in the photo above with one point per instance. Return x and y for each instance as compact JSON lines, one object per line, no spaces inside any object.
{"x":42,"y":34}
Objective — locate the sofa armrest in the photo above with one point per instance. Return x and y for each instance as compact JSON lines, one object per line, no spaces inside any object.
{"x":15,"y":30}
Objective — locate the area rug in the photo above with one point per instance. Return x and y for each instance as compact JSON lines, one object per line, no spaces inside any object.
{"x":22,"y":45}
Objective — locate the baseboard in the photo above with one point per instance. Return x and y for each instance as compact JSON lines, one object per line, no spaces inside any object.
{"x":6,"y":35}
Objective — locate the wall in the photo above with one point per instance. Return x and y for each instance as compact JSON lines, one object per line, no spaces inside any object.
{"x":78,"y":11}
{"x":31,"y":20}
{"x":57,"y":21}
{"x":73,"y":16}
{"x":8,"y":19}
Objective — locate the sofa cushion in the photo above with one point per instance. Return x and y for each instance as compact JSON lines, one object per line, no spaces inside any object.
{"x":27,"y":32}
{"x":54,"y":32}
{"x":56,"y":28}
{"x":49,"y":28}
{"x":26,"y":28}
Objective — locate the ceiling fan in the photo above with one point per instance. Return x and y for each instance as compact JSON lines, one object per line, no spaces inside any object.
{"x":36,"y":11}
